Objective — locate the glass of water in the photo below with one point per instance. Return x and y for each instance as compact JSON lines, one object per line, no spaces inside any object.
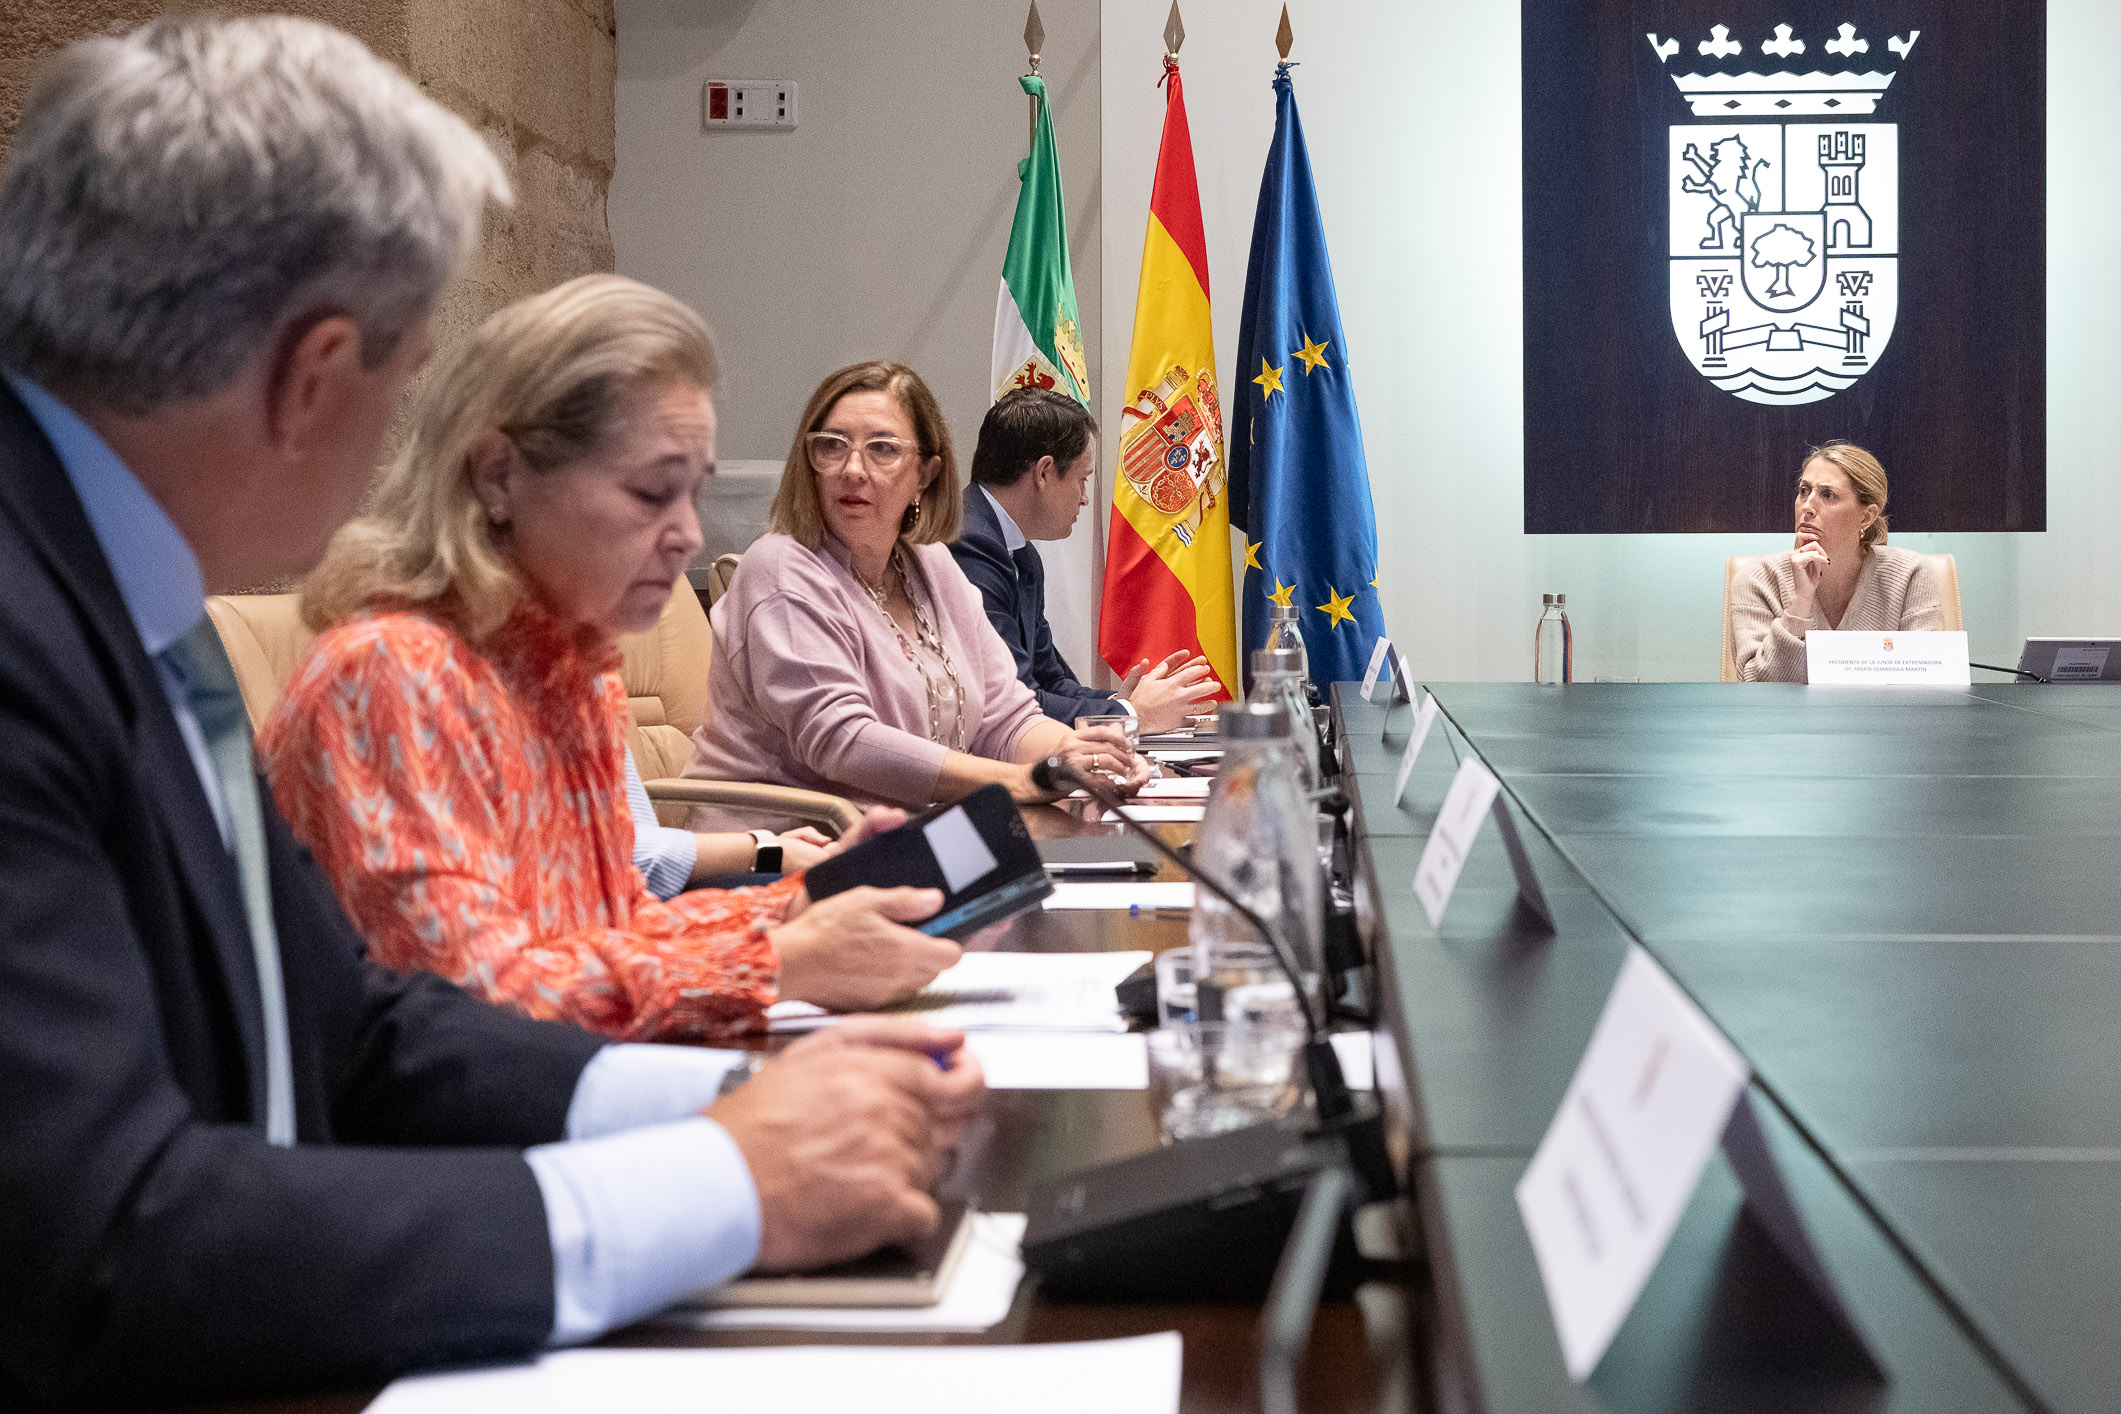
{"x":1115,"y":768}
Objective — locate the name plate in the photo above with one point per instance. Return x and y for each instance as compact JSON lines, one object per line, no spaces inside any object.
{"x":1424,"y":718}
{"x":1377,"y":660}
{"x":1657,"y":1090}
{"x":1475,"y":795}
{"x":1849,"y":658}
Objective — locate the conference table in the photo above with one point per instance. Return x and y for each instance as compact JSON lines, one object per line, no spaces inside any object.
{"x":1901,"y":906}
{"x":1358,"y":1357}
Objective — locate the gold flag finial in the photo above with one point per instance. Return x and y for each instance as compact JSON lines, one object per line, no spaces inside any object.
{"x":1284,"y":36}
{"x":1034,"y":35}
{"x":1174,"y":31}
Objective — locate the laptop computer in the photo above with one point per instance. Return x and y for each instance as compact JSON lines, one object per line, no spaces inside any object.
{"x":2072,"y":659}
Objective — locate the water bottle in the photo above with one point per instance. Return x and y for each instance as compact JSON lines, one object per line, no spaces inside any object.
{"x":1553,"y":649}
{"x":1277,"y":676}
{"x":1259,"y":839}
{"x":1282,"y":632}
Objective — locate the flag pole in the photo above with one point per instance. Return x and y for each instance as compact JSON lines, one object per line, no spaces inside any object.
{"x":1034,"y":41}
{"x":1174,"y":33}
{"x":1284,"y":37}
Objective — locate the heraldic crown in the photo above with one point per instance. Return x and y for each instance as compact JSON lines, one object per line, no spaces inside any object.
{"x":1784,"y":94}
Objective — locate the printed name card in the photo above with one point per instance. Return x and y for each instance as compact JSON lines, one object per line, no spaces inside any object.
{"x":1848,"y":658}
{"x":1424,"y":718}
{"x":1475,"y":795}
{"x":1656,"y":1092}
{"x":1377,"y":660}
{"x":1402,"y":678}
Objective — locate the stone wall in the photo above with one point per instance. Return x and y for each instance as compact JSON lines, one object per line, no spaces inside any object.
{"x":535,"y":76}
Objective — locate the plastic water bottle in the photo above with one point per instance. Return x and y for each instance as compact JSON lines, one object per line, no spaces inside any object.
{"x":1277,"y":676}
{"x":1259,"y":839}
{"x":1282,"y":632}
{"x":1553,"y":649}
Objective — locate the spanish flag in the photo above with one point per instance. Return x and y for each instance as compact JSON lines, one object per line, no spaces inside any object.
{"x":1167,"y":559}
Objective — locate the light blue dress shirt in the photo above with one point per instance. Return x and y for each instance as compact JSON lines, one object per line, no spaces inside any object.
{"x":646,"y":1201}
{"x":664,"y":856}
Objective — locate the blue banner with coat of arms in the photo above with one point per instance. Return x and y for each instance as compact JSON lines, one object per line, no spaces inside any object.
{"x":1299,"y":484}
{"x":1750,"y":227}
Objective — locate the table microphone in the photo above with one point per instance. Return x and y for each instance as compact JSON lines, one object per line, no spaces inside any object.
{"x":1329,"y":1085}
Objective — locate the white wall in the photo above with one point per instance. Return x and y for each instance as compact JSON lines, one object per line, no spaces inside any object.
{"x":877,"y":228}
{"x":1411,"y":109}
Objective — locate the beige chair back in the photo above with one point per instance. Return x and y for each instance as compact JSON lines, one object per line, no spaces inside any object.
{"x":719,"y":574}
{"x":265,"y":638}
{"x":665,"y":670}
{"x":1736,"y":565}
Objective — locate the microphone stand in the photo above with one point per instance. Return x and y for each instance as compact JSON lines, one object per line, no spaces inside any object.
{"x":2015,"y":672}
{"x":1329,"y":1086}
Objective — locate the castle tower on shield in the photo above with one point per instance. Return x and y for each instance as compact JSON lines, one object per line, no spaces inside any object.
{"x":1848,"y":225}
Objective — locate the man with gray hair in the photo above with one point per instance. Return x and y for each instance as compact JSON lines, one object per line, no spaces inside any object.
{"x":235,"y":1156}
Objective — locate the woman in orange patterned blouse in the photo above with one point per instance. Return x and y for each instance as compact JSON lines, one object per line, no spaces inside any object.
{"x":453,"y":747}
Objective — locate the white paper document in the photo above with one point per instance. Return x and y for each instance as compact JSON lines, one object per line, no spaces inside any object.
{"x":1424,"y":718}
{"x":1358,"y":1061}
{"x":1159,"y":813}
{"x":1377,"y":660}
{"x":1139,"y":1375}
{"x":980,"y":1293}
{"x":1443,"y":858}
{"x":1618,"y":1165}
{"x":1062,"y":1060}
{"x":1036,"y":991}
{"x":1847,"y":658}
{"x":1176,"y":788}
{"x":1070,"y":894}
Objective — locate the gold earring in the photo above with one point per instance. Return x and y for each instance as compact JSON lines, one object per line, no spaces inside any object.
{"x":912,"y":519}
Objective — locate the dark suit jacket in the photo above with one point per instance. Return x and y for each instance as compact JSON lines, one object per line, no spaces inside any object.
{"x":1016,"y":606}
{"x":156,"y":1247}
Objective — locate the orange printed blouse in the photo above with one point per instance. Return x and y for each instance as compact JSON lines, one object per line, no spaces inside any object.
{"x":469,"y":805}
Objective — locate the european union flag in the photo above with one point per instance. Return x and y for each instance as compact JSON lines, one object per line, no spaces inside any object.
{"x":1299,"y":487}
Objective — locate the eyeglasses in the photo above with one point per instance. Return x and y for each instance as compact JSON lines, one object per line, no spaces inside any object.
{"x":829,"y":451}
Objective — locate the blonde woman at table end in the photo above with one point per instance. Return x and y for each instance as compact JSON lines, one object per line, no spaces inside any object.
{"x":1839,"y":574}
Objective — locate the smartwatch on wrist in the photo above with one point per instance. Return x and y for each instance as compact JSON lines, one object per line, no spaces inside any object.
{"x":766,"y":859}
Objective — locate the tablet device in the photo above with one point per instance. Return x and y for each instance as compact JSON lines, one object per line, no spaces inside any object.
{"x":976,"y":851}
{"x":1094,"y":856}
{"x":2072,"y":659}
{"x":903,"y":1277}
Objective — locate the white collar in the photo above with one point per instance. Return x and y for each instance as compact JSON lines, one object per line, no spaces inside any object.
{"x":1012,"y":537}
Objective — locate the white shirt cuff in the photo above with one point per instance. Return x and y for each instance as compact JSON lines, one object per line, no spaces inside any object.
{"x":627,"y":1086}
{"x":641,"y":1219}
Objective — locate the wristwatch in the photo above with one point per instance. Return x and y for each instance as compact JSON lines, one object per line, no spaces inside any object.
{"x":767,"y":859}
{"x":733,"y":1078}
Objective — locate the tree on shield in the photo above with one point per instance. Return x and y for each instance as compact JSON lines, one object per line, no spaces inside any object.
{"x":1783,"y":248}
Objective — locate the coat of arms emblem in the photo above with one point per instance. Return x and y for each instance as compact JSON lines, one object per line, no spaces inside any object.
{"x":1171,"y":447}
{"x":1784,"y":216}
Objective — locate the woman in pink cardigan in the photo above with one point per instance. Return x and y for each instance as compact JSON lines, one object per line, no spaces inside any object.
{"x":851,"y":654}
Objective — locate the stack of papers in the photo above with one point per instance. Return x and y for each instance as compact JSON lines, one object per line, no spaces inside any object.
{"x":1036,"y":1020}
{"x":1136,"y":1376}
{"x":1131,"y":893}
{"x":1175,"y":788}
{"x":1158,"y":812}
{"x":980,"y":1293}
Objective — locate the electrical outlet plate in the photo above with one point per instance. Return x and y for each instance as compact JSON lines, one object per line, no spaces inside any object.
{"x":748,"y":103}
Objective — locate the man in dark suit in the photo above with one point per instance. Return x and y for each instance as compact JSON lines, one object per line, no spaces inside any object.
{"x":1030,"y":479}
{"x":235,"y":1156}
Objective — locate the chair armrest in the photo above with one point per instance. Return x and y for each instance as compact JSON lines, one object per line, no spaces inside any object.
{"x":835,"y":815}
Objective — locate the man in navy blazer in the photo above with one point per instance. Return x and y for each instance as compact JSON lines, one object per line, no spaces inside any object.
{"x":236,"y":1157}
{"x":1030,"y":479}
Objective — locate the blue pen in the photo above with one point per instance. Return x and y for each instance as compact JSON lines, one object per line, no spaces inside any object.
{"x":1151,"y":910}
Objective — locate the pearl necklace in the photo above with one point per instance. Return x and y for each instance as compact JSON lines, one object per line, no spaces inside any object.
{"x":931,"y":639}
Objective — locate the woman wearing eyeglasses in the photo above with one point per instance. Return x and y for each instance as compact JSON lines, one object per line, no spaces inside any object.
{"x":851,"y":654}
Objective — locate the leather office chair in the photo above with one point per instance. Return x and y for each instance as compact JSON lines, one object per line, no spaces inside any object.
{"x":719,"y":574}
{"x":665,"y":671}
{"x":1735,"y":565}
